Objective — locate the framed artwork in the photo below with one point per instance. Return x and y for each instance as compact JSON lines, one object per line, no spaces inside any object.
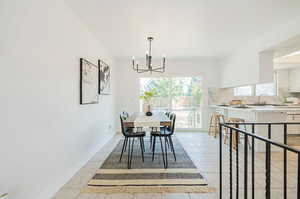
{"x":89,"y":79}
{"x":104,"y":78}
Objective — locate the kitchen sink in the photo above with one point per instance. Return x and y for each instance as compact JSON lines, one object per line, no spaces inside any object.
{"x":267,"y":105}
{"x":258,"y":104}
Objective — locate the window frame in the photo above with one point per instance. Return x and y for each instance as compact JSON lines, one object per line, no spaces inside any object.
{"x":170,"y":105}
{"x":274,"y":89}
{"x":253,"y":90}
{"x":240,"y":95}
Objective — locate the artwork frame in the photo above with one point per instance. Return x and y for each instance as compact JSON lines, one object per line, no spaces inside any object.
{"x":104,"y":78}
{"x":89,"y":78}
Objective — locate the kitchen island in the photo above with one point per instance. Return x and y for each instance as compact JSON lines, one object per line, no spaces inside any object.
{"x":260,"y":114}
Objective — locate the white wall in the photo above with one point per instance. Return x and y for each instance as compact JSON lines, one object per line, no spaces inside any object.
{"x":45,"y":135}
{"x":127,"y":96}
{"x":243,"y":67}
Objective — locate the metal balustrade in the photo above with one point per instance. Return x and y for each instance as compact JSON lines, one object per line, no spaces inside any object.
{"x":249,"y":165}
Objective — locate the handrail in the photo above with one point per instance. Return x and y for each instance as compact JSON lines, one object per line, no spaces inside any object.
{"x":284,"y":146}
{"x":263,"y":123}
{"x":233,"y":127}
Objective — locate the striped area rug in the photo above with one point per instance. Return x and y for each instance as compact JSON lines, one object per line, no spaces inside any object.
{"x":181,"y":176}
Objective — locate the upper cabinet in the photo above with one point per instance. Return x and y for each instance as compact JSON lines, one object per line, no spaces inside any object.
{"x":294,"y":80}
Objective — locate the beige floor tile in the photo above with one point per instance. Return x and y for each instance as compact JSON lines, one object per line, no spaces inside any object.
{"x":88,"y":196}
{"x":79,"y":180}
{"x":148,"y":196}
{"x":119,"y":196}
{"x":204,"y":151}
{"x":176,"y":196}
{"x":203,"y":196}
{"x":66,"y":193}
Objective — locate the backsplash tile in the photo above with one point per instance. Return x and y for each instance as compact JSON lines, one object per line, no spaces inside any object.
{"x":225,"y":95}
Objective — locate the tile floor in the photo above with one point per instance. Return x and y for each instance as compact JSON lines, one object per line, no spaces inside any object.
{"x":204,"y":151}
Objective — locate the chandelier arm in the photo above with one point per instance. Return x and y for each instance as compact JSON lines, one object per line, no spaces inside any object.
{"x":141,"y":69}
{"x":157,"y":71}
{"x":157,"y":67}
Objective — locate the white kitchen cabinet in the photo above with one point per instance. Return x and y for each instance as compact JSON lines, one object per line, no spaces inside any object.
{"x":294,"y":80}
{"x":293,"y":129}
{"x":248,"y":116}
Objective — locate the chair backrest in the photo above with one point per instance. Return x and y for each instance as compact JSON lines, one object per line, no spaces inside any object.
{"x":123,"y":128}
{"x":126,"y":114}
{"x":173,"y":119}
{"x":167,"y":114}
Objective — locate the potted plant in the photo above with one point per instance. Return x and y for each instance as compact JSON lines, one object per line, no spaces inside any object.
{"x":147,"y":97}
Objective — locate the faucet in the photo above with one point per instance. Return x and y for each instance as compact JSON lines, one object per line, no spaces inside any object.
{"x":259,"y":100}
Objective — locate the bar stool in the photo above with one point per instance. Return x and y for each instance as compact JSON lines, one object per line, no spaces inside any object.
{"x":235,"y":138}
{"x":215,"y":119}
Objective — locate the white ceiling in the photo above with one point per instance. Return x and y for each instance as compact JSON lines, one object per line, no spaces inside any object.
{"x":181,"y":28}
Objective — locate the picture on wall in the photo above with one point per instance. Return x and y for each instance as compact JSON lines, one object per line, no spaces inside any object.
{"x":104,"y":78}
{"x":89,"y":78}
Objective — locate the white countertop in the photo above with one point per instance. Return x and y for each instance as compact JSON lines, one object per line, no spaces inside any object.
{"x":262,"y":108}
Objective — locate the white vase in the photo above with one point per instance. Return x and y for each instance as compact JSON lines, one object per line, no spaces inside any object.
{"x":147,"y":107}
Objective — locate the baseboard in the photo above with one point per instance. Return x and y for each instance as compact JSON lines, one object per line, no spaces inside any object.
{"x":52,"y":190}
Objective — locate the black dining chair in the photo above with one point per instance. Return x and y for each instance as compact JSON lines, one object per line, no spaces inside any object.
{"x":167,"y":113}
{"x":130,"y":136}
{"x":125,"y":114}
{"x":165,"y":133}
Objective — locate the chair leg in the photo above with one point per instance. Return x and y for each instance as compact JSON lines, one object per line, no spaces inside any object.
{"x":168,"y":144}
{"x":142,"y":148}
{"x":210,"y":125}
{"x":153,"y":147}
{"x":215,"y":128}
{"x":123,"y":147}
{"x":162,"y":151}
{"x":172,"y":146}
{"x":131,"y":152}
{"x":126,"y":144}
{"x":143,"y":142}
{"x":166,"y":151}
{"x":151,"y":141}
{"x":128,"y":159}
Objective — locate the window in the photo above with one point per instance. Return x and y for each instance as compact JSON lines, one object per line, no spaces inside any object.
{"x":265,"y":89}
{"x":181,"y":95}
{"x":243,"y":91}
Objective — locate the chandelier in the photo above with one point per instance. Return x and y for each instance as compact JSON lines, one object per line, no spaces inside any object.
{"x":149,"y":67}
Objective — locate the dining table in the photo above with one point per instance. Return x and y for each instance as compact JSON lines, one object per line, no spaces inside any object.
{"x":140,"y":119}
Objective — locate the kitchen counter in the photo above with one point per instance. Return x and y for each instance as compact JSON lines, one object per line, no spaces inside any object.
{"x":280,"y":109}
{"x":260,"y":114}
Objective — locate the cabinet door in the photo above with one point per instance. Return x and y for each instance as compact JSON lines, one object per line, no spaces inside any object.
{"x":294,"y":80}
{"x":293,"y":129}
{"x":248,"y":116}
